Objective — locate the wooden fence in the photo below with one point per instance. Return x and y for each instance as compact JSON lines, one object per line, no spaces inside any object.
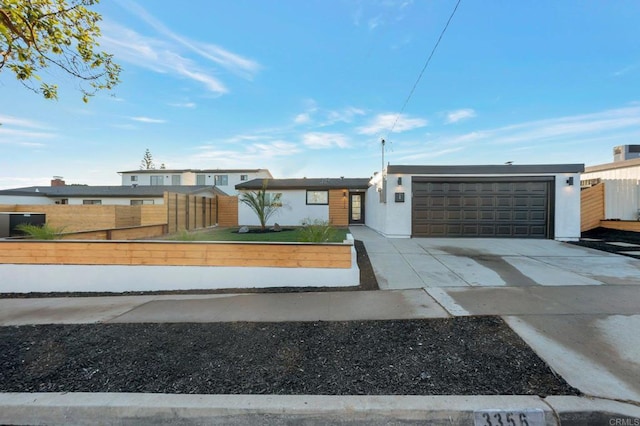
{"x":131,"y":233}
{"x":186,"y":212}
{"x":623,"y":225}
{"x":94,"y":217}
{"x":282,"y":255}
{"x":591,"y":207}
{"x":227,"y":211}
{"x":179,"y":212}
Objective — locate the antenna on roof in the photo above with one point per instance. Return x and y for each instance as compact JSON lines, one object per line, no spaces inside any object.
{"x":382,"y":142}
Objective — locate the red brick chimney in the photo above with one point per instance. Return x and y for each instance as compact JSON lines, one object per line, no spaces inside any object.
{"x":57,"y":181}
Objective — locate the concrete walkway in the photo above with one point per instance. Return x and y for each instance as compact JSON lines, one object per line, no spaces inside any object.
{"x":267,"y":307}
{"x":579,"y":309}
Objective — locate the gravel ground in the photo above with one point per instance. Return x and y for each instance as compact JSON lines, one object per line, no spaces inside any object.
{"x":610,"y":235}
{"x":456,"y":356}
{"x":367,"y":282}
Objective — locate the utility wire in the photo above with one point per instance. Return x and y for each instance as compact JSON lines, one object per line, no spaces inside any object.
{"x":426,"y":64}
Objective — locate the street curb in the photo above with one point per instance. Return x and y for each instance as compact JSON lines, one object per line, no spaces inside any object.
{"x":165,"y":409}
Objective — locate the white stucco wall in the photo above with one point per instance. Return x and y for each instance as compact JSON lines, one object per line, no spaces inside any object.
{"x":375,"y":212}
{"x":294,"y":209}
{"x":190,"y":178}
{"x":17,"y":199}
{"x":144,"y":179}
{"x":233,"y":180}
{"x":122,"y":278}
{"x":393,"y":219}
{"x":567,"y":208}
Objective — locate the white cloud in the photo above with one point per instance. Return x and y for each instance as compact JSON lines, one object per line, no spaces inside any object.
{"x":345,"y":115}
{"x":211,"y":83}
{"x":429,"y":154}
{"x":567,"y":127}
{"x":460,"y":114}
{"x":374,"y":23}
{"x":534,"y":138}
{"x":320,"y":140}
{"x":147,"y":120}
{"x":155,"y":55}
{"x":228,"y":60}
{"x":23,"y":132}
{"x":183,"y":104}
{"x":254,"y":153}
{"x":20,"y":122}
{"x":384,"y":122}
{"x":302,"y":118}
{"x":626,"y":70}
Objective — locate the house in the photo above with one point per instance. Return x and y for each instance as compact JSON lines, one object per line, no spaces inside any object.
{"x":506,"y":201}
{"x":98,"y":195}
{"x":340,"y":201}
{"x":223,"y":179}
{"x":621,"y":180}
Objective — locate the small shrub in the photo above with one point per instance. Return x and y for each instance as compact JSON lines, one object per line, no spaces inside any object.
{"x":44,"y":232}
{"x":316,"y":231}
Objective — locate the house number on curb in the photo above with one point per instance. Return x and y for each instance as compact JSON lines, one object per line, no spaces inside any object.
{"x":527,"y":417}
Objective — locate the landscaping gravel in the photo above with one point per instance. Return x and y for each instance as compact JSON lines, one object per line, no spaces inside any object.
{"x":610,"y":235}
{"x":456,"y":356}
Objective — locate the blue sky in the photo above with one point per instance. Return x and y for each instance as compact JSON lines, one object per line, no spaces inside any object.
{"x":308,"y":88}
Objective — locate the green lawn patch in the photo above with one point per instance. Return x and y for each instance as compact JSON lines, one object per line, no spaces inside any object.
{"x":293,"y":234}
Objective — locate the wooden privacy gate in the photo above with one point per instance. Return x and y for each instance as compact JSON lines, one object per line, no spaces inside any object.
{"x":186,"y":212}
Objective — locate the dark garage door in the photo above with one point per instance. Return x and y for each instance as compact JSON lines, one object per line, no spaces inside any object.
{"x":482,"y":207}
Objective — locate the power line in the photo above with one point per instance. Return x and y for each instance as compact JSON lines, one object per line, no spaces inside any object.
{"x":426,"y":64}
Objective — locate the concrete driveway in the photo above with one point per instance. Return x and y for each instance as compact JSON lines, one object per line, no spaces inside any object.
{"x":488,"y":262}
{"x":578,"y":308}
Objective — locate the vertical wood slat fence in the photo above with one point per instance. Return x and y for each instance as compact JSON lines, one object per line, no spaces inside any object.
{"x":188,"y":212}
{"x":591,"y":207}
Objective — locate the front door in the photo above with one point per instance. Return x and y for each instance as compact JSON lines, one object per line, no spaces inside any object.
{"x":356,"y":208}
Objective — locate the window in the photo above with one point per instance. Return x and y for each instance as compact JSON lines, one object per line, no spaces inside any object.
{"x":88,"y":202}
{"x":244,"y":177}
{"x":175,"y":180}
{"x":141,"y":202}
{"x":134,"y":178}
{"x":317,"y":197}
{"x":221,"y":180}
{"x":157,"y":180}
{"x":200,"y":180}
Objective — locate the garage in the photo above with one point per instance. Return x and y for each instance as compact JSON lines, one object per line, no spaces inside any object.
{"x":482,"y":207}
{"x":476,"y":201}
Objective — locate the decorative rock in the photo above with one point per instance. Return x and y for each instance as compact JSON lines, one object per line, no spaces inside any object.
{"x":276,"y":228}
{"x":243,"y":230}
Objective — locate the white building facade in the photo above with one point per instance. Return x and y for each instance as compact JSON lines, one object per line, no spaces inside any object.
{"x":223,"y":179}
{"x":502,"y":201}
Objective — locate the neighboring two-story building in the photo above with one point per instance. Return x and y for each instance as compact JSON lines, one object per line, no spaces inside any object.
{"x":223,"y":179}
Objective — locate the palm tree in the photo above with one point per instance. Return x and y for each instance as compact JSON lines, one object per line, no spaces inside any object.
{"x":263,"y":205}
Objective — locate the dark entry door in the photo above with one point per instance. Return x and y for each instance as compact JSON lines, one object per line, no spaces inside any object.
{"x":356,"y":208}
